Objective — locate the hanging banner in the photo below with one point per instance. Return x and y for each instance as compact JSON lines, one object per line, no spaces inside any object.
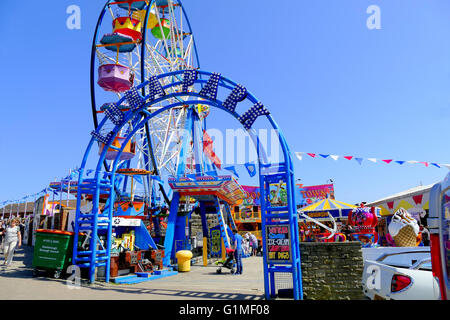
{"x":306,"y":195}
{"x":126,"y":222}
{"x":248,"y":211}
{"x":252,"y":196}
{"x":278,"y":244}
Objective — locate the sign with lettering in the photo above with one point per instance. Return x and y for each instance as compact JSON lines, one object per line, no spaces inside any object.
{"x":306,"y":195}
{"x":216,"y":241}
{"x":278,"y":244}
{"x":126,"y":222}
{"x":252,"y":196}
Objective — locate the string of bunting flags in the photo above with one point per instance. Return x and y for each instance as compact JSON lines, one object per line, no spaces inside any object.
{"x":68,"y":179}
{"x":301,"y":155}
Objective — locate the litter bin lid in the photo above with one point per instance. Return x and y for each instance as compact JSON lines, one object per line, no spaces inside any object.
{"x":55,"y":231}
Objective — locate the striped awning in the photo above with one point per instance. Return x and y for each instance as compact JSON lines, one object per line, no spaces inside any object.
{"x":327,"y":204}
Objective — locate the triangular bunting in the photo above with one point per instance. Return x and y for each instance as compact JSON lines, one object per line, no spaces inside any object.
{"x":251,"y":168}
{"x":334,"y":157}
{"x":232,"y":169}
{"x":137,"y":206}
{"x":418,"y":199}
{"x":299,"y":155}
{"x":124,"y":206}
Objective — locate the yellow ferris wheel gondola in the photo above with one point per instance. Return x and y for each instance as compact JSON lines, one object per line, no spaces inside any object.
{"x":131,"y":172}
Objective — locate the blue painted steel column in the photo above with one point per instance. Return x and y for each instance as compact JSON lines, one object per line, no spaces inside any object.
{"x":170,"y":231}
{"x":263,"y":198}
{"x":180,"y":235}
{"x":204,"y":221}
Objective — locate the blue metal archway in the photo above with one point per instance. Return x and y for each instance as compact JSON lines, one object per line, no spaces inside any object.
{"x":279,"y":223}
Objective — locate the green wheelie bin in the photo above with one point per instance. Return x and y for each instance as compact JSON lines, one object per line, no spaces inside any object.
{"x":52,"y":251}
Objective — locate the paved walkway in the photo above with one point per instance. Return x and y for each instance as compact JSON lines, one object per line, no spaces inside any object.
{"x":201,"y":283}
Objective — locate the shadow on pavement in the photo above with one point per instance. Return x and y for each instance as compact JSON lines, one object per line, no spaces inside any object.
{"x":187,"y":294}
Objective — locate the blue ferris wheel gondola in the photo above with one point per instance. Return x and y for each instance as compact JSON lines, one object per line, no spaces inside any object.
{"x":117,"y":41}
{"x":132,"y":5}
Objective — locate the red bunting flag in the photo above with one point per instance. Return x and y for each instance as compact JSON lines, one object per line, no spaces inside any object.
{"x":348,"y":157}
{"x":425,"y":163}
{"x":390,"y":204}
{"x":312,"y":154}
{"x":418,"y":199}
{"x":387,"y":161}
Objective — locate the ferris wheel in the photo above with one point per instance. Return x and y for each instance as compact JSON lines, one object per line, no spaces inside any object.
{"x":133,"y":41}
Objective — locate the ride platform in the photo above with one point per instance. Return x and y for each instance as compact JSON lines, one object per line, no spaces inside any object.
{"x":144,"y":276}
{"x":206,"y":188}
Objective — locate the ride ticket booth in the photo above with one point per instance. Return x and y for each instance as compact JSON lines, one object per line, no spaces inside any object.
{"x":439,"y":226}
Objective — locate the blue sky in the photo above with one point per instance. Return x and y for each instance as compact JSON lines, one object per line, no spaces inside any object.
{"x":331,"y":84}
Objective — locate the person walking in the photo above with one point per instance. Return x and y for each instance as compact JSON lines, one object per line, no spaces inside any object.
{"x":12,"y":239}
{"x":238,"y":251}
{"x":2,"y":229}
{"x":253,"y":244}
{"x":425,"y":235}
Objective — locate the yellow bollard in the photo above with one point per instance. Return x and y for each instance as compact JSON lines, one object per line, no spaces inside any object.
{"x":205,"y":251}
{"x":184,"y":260}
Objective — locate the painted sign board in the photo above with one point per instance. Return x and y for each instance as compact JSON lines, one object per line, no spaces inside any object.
{"x":278,"y":244}
{"x":216,"y":241}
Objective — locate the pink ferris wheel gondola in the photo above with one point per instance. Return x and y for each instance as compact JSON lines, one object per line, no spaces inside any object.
{"x":115,"y":77}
